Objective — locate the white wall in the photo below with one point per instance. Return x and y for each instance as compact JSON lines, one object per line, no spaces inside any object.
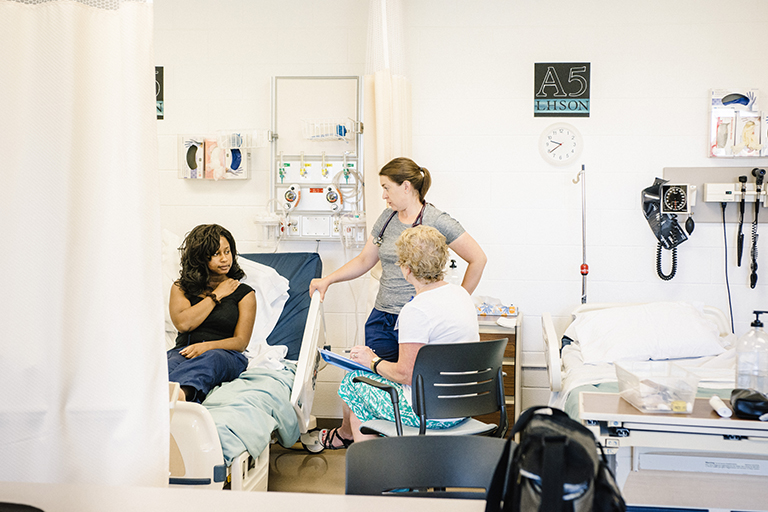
{"x":471,"y":65}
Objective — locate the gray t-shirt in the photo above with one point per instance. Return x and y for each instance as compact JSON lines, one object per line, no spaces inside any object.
{"x":394,"y":290}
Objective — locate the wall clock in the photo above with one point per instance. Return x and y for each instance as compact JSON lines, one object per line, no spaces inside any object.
{"x":560,"y":144}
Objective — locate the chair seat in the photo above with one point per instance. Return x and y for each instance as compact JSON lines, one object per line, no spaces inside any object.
{"x":468,"y":427}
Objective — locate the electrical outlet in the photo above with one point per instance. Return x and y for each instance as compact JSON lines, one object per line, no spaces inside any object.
{"x":293,"y":226}
{"x":335,"y":230}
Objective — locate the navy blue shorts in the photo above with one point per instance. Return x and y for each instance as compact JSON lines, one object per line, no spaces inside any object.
{"x":205,"y":371}
{"x":381,"y":336}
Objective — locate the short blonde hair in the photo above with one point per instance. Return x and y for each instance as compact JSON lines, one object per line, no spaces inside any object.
{"x":423,"y":250}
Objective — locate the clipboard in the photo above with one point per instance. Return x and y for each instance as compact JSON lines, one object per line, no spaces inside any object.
{"x":342,"y":362}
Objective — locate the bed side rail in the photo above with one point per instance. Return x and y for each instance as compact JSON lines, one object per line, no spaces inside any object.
{"x":552,"y":354}
{"x":303,"y":392}
{"x":196,"y":455}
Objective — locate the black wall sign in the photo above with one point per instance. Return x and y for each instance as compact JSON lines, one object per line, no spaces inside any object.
{"x":561,"y":89}
{"x":159,"y":92}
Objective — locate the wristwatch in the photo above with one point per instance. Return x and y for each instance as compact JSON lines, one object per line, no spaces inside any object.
{"x":375,"y":363}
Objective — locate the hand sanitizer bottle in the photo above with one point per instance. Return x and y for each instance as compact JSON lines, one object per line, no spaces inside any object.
{"x":752,"y":357}
{"x":452,"y":275}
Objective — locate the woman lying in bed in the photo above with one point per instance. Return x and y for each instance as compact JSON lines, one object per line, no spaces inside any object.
{"x":213,"y":312}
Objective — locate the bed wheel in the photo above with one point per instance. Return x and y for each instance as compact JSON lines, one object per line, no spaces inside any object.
{"x":311,"y":441}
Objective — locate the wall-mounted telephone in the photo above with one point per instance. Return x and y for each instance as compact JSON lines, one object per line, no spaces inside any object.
{"x":662,"y":202}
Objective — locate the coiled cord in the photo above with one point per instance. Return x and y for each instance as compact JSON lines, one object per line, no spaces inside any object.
{"x":753,"y":254}
{"x":662,"y":275}
{"x":759,"y":175}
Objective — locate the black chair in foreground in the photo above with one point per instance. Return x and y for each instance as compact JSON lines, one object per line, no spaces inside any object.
{"x":451,"y":380}
{"x":423,"y":466}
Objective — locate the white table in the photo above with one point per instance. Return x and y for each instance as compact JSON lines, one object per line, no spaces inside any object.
{"x":95,"y":498}
{"x":693,"y":460}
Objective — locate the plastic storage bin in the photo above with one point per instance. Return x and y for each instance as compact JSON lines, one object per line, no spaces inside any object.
{"x":657,"y":386}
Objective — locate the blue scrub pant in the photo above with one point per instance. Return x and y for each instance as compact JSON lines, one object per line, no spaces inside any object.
{"x":381,"y":336}
{"x":206,"y":371}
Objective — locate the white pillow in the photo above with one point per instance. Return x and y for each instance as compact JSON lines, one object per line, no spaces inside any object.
{"x":270,"y":287}
{"x":654,"y":331}
{"x":171,"y":268}
{"x":271,"y":294}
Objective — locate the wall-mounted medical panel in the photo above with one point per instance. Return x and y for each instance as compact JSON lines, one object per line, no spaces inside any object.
{"x":316,"y":140}
{"x":716,"y":185}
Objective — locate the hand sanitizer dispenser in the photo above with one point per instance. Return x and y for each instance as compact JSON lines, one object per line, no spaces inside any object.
{"x":452,"y":275}
{"x":752,"y":357}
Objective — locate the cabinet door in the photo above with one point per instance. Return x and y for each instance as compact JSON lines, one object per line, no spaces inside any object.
{"x":509,"y":370}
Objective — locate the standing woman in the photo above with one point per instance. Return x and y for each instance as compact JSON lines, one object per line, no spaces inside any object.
{"x":213,"y":312}
{"x":405,"y":185}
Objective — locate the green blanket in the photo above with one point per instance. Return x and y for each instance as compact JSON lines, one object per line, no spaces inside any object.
{"x":248,"y":409}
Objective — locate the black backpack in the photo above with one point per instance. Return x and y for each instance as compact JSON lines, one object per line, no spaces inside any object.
{"x":555,"y":468}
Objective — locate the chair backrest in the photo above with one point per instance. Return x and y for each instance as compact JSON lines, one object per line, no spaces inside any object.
{"x":453,"y":380}
{"x":423,"y":466}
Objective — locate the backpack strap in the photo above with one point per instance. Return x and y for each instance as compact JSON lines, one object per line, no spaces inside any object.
{"x":526,"y":416}
{"x":553,"y":474}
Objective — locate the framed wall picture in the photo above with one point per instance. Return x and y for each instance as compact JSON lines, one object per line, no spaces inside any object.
{"x":561,"y":89}
{"x":160,"y":106}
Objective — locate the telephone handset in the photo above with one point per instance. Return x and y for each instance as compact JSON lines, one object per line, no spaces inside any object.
{"x":664,"y":225}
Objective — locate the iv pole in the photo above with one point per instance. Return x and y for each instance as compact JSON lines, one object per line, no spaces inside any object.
{"x":581,"y":176}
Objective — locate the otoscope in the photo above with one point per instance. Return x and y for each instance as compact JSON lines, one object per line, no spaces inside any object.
{"x":740,"y":240}
{"x":759,"y":174}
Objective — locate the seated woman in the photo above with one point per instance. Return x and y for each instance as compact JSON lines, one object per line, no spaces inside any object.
{"x":213,"y":312}
{"x":440,"y":312}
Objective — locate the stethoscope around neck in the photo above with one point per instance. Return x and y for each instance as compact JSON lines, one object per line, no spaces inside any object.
{"x":419,"y":218}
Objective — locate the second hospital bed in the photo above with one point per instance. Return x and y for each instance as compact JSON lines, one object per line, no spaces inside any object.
{"x":694,"y":336}
{"x":225,"y":441}
{"x":580,"y":364}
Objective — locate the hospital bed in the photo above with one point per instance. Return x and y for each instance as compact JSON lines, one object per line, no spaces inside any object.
{"x":583,"y":382}
{"x":692,"y":336}
{"x":224,"y":443}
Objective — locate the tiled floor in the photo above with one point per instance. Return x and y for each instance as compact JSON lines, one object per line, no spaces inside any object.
{"x":296,"y":470}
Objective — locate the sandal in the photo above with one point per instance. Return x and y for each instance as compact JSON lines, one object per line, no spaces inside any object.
{"x":330,"y":436}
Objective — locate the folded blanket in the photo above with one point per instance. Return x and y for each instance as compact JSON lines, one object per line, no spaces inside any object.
{"x":248,"y":409}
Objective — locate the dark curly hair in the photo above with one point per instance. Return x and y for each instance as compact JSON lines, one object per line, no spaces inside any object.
{"x":198,"y":248}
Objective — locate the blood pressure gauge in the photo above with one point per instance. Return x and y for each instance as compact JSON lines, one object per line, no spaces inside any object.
{"x":674,"y":199}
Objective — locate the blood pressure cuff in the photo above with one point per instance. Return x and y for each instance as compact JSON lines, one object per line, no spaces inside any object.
{"x":749,"y":404}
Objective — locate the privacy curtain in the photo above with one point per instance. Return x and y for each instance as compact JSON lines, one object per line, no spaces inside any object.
{"x":387,"y":99}
{"x":83,"y":379}
{"x":387,"y":96}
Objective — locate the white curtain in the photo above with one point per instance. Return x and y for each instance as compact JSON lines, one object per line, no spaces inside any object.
{"x":387,"y":107}
{"x":82,"y":366}
{"x":387,"y":99}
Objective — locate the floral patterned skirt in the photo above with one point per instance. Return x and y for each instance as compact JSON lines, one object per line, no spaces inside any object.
{"x":370,"y":403}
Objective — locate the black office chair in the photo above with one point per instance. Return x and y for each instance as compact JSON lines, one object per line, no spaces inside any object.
{"x":423,"y":466}
{"x":451,"y":380}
